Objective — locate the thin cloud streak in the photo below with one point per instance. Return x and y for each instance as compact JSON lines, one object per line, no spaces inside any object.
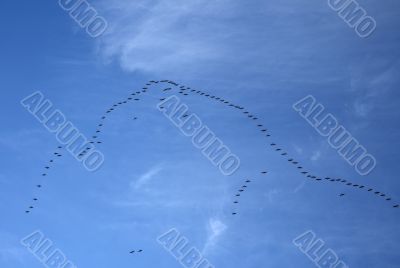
{"x":146,"y":177}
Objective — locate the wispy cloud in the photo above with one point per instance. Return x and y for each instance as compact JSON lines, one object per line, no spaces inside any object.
{"x":146,"y":177}
{"x":162,"y":35}
{"x":298,"y":149}
{"x":215,"y":228}
{"x":10,"y":250}
{"x":315,"y":155}
{"x":271,"y":194}
{"x":299,"y":187}
{"x":371,"y":83}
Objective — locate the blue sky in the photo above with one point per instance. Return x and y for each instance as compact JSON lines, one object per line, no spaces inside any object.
{"x":263,"y":55}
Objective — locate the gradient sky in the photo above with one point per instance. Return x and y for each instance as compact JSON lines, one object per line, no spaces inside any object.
{"x":264,"y":55}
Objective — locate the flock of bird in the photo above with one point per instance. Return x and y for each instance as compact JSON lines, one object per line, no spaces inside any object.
{"x":46,"y":170}
{"x":185,"y":91}
{"x":241,"y":191}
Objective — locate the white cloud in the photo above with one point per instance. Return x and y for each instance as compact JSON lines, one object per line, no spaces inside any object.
{"x":375,"y":79}
{"x":11,"y":250}
{"x":299,"y":187}
{"x":316,"y":155}
{"x":271,"y":194}
{"x":163,"y":35}
{"x":298,"y":149}
{"x":146,"y":177}
{"x":215,"y":229}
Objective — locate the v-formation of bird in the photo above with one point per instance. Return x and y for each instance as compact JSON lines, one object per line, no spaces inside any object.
{"x":185,"y":91}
